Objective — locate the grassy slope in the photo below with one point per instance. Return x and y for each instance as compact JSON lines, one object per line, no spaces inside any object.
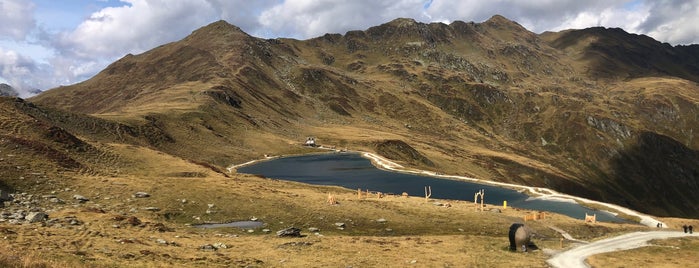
{"x":489,"y":100}
{"x":421,"y":231}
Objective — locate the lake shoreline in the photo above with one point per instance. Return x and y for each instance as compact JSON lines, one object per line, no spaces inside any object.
{"x":535,"y":192}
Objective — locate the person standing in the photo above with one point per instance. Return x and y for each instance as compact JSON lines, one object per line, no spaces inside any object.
{"x":685,"y":227}
{"x":690,"y":229}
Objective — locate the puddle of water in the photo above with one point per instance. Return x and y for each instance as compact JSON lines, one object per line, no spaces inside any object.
{"x":236,"y":224}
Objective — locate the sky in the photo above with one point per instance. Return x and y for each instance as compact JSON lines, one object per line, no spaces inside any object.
{"x":48,"y":43}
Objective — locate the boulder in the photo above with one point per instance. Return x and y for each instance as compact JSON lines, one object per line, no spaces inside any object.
{"x":520,"y":237}
{"x":207,"y":247}
{"x":33,"y":217}
{"x":289,"y":232}
{"x":220,"y":245}
{"x":5,"y":196}
{"x":80,"y":198}
{"x":140,"y":195}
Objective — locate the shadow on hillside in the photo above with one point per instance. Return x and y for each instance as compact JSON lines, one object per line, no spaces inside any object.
{"x":6,"y":188}
{"x":659,"y":175}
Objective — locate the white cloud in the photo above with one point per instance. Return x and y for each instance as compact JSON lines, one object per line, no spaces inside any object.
{"x":673,"y":21}
{"x":134,"y":28}
{"x":22,"y":72}
{"x":537,"y":16}
{"x":309,"y":18}
{"x":16,"y":19}
{"x":74,"y":53}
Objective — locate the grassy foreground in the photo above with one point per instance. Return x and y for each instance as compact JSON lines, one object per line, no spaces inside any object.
{"x":119,"y":230}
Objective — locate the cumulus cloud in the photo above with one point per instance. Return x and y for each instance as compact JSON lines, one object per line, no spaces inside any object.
{"x":22,"y":72}
{"x":673,"y":21}
{"x":16,"y":18}
{"x":309,"y":18}
{"x":243,"y":13}
{"x":537,"y":16}
{"x":134,"y":26}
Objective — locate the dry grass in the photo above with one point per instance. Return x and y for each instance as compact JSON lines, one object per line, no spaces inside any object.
{"x":678,"y":252}
{"x":421,"y":234}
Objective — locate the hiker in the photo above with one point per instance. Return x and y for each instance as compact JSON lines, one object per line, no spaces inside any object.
{"x":685,"y":227}
{"x":657,"y":225}
{"x":690,"y":229}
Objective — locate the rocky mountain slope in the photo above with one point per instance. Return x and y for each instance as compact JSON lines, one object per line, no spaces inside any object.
{"x":7,"y":90}
{"x":599,"y":113}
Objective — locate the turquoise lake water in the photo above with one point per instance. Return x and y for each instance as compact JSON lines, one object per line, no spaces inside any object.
{"x":352,"y":171}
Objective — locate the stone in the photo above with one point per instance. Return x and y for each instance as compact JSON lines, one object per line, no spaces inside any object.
{"x":18,"y":215}
{"x":266,"y":230}
{"x":495,"y":210}
{"x":520,"y":237}
{"x":140,"y":195}
{"x":33,"y":217}
{"x":151,"y":209}
{"x":5,"y":196}
{"x":313,"y":229}
{"x":382,"y":220}
{"x":220,"y":245}
{"x":289,"y":232}
{"x":133,"y":221}
{"x":207,"y":247}
{"x":161,"y":241}
{"x":80,"y":198}
{"x":56,"y":200}
{"x":340,"y":224}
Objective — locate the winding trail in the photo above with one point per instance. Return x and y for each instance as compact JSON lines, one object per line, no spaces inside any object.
{"x":567,"y":236}
{"x":575,"y":257}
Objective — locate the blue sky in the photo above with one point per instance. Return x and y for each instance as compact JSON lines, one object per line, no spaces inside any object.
{"x":48,"y":43}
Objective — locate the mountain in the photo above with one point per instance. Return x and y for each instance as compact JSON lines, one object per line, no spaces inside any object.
{"x":597,"y":112}
{"x":7,"y":90}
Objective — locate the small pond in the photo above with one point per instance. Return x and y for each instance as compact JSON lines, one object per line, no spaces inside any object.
{"x":351,"y":170}
{"x":236,"y":224}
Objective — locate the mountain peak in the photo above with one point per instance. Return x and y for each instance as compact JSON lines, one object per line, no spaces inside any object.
{"x":218,"y":28}
{"x":402,"y":22}
{"x":7,"y":90}
{"x":500,"y":21}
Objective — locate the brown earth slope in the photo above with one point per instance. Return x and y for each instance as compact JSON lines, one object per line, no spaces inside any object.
{"x":598,"y":112}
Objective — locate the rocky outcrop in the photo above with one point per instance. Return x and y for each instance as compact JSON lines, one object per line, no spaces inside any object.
{"x":401,"y":151}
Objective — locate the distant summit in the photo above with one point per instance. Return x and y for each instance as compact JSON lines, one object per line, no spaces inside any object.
{"x":7,"y":90}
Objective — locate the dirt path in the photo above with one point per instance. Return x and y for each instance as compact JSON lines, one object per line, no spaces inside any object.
{"x":576,"y":257}
{"x":566,"y":235}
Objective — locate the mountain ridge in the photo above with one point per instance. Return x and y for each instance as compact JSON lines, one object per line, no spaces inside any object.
{"x":491,"y":100}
